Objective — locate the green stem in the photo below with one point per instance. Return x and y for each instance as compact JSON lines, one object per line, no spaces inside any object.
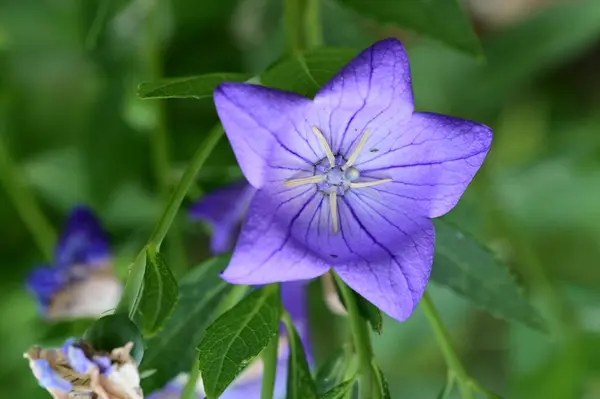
{"x":292,"y":24}
{"x":362,"y":342}
{"x":25,"y":203}
{"x":189,"y":391}
{"x":269,"y":358}
{"x":131,"y":293}
{"x":443,"y":338}
{"x":312,"y":24}
{"x":160,"y":138}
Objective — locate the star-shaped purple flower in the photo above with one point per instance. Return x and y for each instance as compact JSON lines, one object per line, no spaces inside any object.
{"x":349,"y":180}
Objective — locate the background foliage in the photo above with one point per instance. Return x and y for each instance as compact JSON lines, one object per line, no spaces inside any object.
{"x":71,"y":120}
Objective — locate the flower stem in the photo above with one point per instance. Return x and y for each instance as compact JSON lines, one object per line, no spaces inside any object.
{"x":189,"y":391}
{"x":312,"y":24}
{"x":159,"y":141}
{"x":269,"y":358}
{"x":362,"y":341}
{"x":443,"y":337}
{"x":292,"y":14}
{"x":25,"y":203}
{"x":131,"y":293}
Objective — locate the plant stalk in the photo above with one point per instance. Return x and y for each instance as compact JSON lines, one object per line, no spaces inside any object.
{"x":362,"y":340}
{"x":133,"y":286}
{"x":443,"y":338}
{"x":269,"y":358}
{"x":26,"y":204}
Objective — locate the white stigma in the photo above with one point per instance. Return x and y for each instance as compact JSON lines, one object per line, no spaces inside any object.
{"x":325,"y":145}
{"x":359,"y":147}
{"x":333,"y":210}
{"x":304,"y":180}
{"x":369,"y":183}
{"x":343,"y":177}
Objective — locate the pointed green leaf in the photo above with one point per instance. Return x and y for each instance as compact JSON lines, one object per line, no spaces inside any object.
{"x":300,"y":384}
{"x":237,"y":337}
{"x":196,"y":87}
{"x":306,"y":73}
{"x":443,"y":20}
{"x":370,"y":312}
{"x":159,"y":294}
{"x":472,"y":271}
{"x":380,"y":382}
{"x":340,"y":391}
{"x":171,"y":351}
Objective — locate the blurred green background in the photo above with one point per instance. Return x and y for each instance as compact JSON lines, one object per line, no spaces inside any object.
{"x":70,"y":119}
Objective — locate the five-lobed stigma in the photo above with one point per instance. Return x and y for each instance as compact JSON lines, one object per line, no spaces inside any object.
{"x":336,"y":178}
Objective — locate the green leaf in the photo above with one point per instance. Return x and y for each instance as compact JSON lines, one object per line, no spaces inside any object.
{"x":440,"y":19}
{"x":159,"y":294}
{"x":367,"y":310}
{"x":237,"y":337}
{"x":472,"y":271}
{"x":380,"y":382}
{"x":196,"y":87}
{"x":340,"y":391}
{"x":171,"y":351}
{"x":300,"y":384}
{"x":370,"y":312}
{"x":114,"y":331}
{"x":306,"y":73}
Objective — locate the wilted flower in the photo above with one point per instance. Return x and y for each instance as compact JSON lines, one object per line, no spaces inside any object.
{"x":78,"y":371}
{"x":81,"y":281}
{"x":248,"y":384}
{"x":349,"y":180}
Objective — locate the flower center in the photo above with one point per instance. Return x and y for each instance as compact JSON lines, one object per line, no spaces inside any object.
{"x":337,"y":178}
{"x":334,"y":175}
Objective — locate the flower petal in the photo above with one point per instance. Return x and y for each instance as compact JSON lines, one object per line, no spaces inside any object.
{"x":224,"y":210}
{"x":431,"y":160}
{"x":44,"y":282}
{"x":268,"y":249}
{"x":374,"y":86}
{"x":83,"y":240}
{"x":388,"y":252}
{"x":47,"y":377}
{"x":261,"y":122}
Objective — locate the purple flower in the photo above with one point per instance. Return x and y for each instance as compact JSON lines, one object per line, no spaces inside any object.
{"x":80,"y":282}
{"x":224,"y":210}
{"x":248,"y":384}
{"x":349,"y":180}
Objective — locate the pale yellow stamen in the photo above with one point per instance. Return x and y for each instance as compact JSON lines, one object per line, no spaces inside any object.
{"x":333,"y":210}
{"x":304,"y":180}
{"x":359,"y":147}
{"x":325,"y":146}
{"x":369,"y":183}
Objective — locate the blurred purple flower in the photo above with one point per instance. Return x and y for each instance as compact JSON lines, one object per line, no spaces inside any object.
{"x":248,"y":384}
{"x":349,"y":180}
{"x":80,"y":282}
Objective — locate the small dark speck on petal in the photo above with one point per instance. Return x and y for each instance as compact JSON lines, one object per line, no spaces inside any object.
{"x":333,"y":256}
{"x":374,"y":150}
